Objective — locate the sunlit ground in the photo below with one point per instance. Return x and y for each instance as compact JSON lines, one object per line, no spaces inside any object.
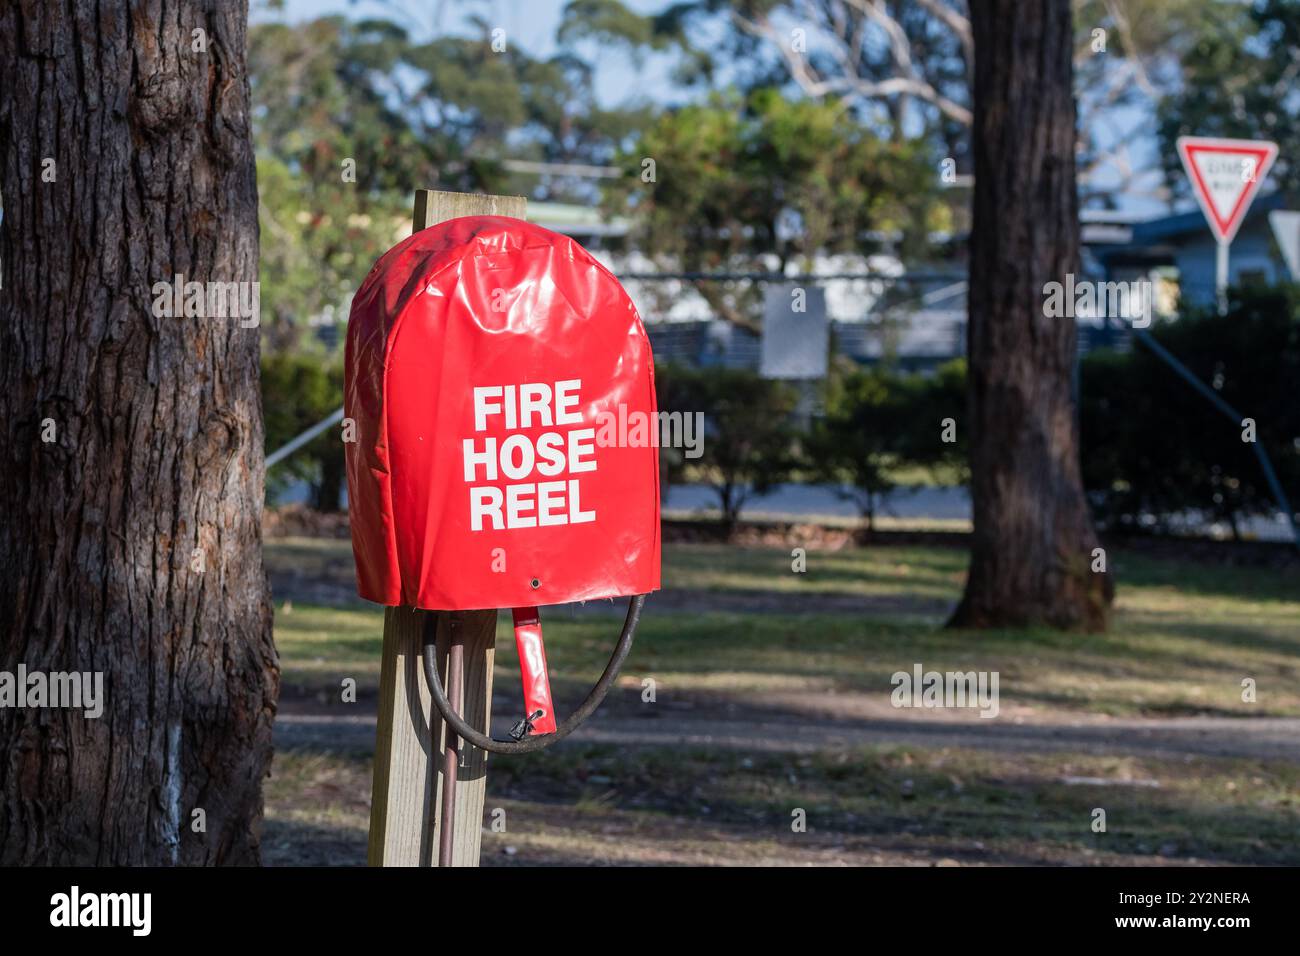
{"x":788,"y":674}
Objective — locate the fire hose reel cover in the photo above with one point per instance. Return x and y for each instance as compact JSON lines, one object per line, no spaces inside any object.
{"x":501,"y":388}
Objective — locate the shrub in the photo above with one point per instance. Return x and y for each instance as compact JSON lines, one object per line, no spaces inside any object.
{"x":1153,"y":448}
{"x":878,"y":421}
{"x":749,"y":432}
{"x":298,"y":390}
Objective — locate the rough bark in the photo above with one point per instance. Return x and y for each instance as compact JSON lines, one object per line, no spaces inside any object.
{"x":1033,"y":538}
{"x":130,"y":544}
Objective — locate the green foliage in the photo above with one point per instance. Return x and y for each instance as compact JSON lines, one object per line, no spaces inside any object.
{"x":336,"y":162}
{"x":738,"y":180}
{"x":610,"y":23}
{"x":299,"y":390}
{"x":443,"y":113}
{"x":749,"y":431}
{"x":755,"y":184}
{"x":350,"y":116}
{"x":878,"y":421}
{"x":1153,"y":446}
{"x":320,"y":236}
{"x":1240,"y":81}
{"x":939,"y":396}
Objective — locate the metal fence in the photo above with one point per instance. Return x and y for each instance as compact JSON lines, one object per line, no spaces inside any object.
{"x":916,"y":320}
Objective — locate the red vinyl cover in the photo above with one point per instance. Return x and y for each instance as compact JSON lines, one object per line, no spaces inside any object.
{"x":489,"y":362}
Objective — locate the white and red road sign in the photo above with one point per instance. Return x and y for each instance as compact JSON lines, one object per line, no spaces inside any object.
{"x":1225,"y":175}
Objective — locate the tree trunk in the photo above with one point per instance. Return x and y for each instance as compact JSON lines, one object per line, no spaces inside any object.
{"x":333,"y":473}
{"x":132,"y":479}
{"x":1033,"y":540}
{"x":730,"y":498}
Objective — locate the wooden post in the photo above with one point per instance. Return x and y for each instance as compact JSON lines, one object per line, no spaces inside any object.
{"x":405,"y":828}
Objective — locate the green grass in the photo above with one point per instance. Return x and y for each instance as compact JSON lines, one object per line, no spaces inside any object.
{"x":1183,"y":637}
{"x":895,"y":572}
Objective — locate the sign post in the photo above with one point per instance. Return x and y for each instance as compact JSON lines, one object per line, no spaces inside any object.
{"x":1225,"y":175}
{"x":418,"y":772}
{"x":1221,"y":275}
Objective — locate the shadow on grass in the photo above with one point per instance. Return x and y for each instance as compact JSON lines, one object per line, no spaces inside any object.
{"x":294,"y":843}
{"x":1000,"y":809}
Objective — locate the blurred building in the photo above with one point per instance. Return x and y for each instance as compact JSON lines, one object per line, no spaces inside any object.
{"x":877,"y":309}
{"x":1181,"y":249}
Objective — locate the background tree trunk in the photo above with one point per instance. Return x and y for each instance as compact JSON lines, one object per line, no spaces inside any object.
{"x":1032,"y":546}
{"x":156,"y":471}
{"x":333,"y":474}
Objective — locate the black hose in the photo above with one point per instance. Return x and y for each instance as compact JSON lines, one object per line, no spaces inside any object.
{"x":534,"y":743}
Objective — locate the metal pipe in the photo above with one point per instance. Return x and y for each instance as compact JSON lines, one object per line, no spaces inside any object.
{"x":293,"y":444}
{"x":451,"y":744}
{"x":1221,"y":277}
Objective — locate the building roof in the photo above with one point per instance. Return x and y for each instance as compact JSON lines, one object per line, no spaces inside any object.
{"x":1174,"y":227}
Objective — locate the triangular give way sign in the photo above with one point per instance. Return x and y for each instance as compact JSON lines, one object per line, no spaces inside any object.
{"x":1225,"y":175}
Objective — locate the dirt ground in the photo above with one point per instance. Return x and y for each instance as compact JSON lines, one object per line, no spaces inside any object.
{"x":713,"y":774}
